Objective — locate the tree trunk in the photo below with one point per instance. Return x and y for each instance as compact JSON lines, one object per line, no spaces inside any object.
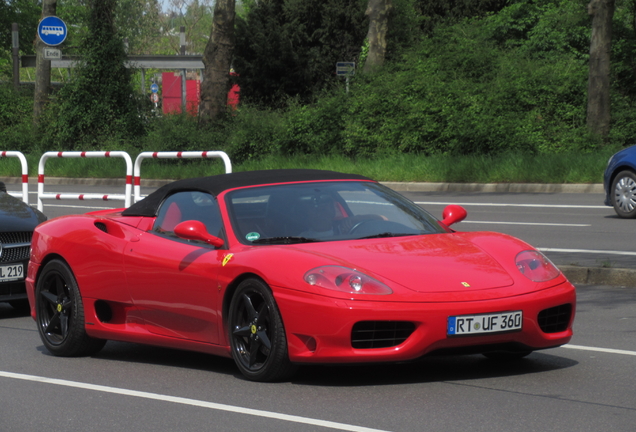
{"x":378,"y":13}
{"x":217,"y":60}
{"x":598,"y":90}
{"x":42,"y":68}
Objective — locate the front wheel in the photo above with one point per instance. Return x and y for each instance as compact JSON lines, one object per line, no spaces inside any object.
{"x":256,"y":333}
{"x":60,"y":313}
{"x":624,"y":194}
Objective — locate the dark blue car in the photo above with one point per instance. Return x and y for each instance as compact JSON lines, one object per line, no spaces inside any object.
{"x":619,"y":181}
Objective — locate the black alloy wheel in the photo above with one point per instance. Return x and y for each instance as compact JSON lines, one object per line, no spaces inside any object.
{"x":623,"y":194}
{"x":256,"y":333}
{"x":60,"y":313}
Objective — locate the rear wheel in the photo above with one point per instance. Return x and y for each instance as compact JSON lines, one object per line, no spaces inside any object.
{"x":256,"y":333}
{"x":624,"y":194}
{"x":60,"y":313}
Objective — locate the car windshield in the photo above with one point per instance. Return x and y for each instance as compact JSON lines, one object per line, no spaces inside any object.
{"x":324,"y":211}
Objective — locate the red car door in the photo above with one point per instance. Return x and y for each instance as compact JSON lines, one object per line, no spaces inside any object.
{"x":174,"y":281}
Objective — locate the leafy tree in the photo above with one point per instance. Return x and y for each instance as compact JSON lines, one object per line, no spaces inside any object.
{"x":26,"y":14}
{"x":138,"y":21}
{"x":99,"y":103}
{"x":196,"y":17}
{"x":435,"y":12}
{"x":289,"y":48}
{"x":598,"y":90}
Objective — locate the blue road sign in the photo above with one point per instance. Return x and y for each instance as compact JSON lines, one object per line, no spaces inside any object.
{"x":52,"y":30}
{"x":345,"y":68}
{"x":154,"y":88}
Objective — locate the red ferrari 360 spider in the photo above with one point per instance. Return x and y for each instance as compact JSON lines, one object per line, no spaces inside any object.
{"x":287,"y":267}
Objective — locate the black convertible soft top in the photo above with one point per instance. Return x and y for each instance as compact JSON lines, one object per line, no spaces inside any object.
{"x":222,"y":182}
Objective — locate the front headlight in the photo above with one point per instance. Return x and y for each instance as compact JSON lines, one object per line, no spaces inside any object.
{"x":345,"y":280}
{"x":536,"y":266}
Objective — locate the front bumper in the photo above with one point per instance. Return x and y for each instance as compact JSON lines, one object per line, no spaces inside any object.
{"x":13,"y":290}
{"x":319,"y":329}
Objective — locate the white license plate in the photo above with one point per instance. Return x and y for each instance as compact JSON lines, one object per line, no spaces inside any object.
{"x":463,"y":325}
{"x":11,"y":272}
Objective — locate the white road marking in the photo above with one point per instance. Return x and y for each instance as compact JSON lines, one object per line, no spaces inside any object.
{"x":191,"y":402}
{"x":592,"y":251}
{"x":605,"y":350}
{"x":514,"y":205}
{"x":525,"y":223}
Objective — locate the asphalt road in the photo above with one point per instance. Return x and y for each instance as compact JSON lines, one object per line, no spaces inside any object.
{"x":588,"y":385}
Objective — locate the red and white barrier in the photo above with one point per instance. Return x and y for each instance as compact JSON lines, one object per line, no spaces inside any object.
{"x":25,"y":174}
{"x":175,"y":155}
{"x":126,"y":196}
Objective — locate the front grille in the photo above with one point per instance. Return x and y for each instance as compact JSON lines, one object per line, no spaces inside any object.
{"x":10,"y":253}
{"x":555,"y":319}
{"x":380,"y":334}
{"x":8,"y":238}
{"x":14,"y":254}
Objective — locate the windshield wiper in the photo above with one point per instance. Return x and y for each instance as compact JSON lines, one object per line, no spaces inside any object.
{"x":285,"y":240}
{"x":387,"y":234}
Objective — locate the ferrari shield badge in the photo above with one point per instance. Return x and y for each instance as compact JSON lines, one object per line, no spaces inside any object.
{"x":227,"y":258}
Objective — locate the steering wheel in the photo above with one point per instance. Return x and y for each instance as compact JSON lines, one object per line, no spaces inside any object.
{"x":355,"y":227}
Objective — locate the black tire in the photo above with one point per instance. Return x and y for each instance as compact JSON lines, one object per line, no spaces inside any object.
{"x":507,"y":355}
{"x":60,"y":313}
{"x":623,"y":194}
{"x":256,"y":333}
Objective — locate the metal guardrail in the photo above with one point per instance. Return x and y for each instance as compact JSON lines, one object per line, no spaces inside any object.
{"x":25,"y":174}
{"x":126,"y":196}
{"x":174,"y":155}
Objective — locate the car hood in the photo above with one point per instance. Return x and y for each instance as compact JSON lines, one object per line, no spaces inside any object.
{"x":15,"y":215}
{"x":433,"y":263}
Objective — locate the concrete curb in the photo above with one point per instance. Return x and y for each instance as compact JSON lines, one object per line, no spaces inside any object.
{"x":600,"y":276}
{"x":495,"y":187}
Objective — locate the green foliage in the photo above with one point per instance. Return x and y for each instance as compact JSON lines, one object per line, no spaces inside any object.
{"x":289,"y":48}
{"x":26,"y":13}
{"x":177,"y":132}
{"x":99,"y":103}
{"x":457,"y":92}
{"x":542,"y":28}
{"x":451,"y":11}
{"x":16,"y":109}
{"x":251,"y":134}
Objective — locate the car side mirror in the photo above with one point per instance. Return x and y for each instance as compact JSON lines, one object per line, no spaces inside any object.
{"x":453,"y":214}
{"x":196,"y":230}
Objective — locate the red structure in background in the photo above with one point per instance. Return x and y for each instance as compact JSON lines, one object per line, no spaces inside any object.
{"x":171,"y":94}
{"x":233,"y":94}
